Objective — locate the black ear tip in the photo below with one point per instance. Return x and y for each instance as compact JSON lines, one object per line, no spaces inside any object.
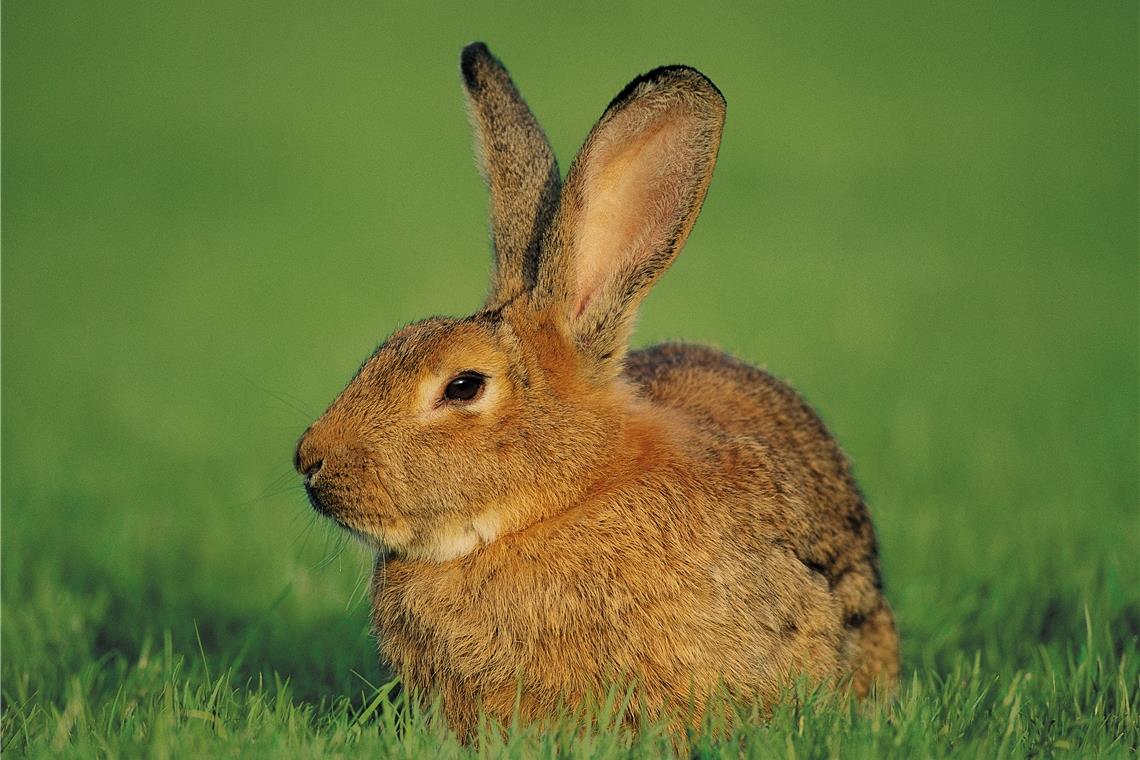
{"x":473,"y":49}
{"x":469,"y":60}
{"x":664,"y":74}
{"x":688,"y":72}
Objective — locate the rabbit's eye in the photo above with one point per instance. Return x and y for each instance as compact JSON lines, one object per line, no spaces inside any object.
{"x":465,"y":387}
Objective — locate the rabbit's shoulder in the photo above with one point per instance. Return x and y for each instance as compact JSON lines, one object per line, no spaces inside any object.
{"x":716,"y":387}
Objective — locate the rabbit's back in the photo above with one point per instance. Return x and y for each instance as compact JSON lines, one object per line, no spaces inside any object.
{"x":821,"y":516}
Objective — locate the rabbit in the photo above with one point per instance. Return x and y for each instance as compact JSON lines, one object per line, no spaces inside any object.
{"x":553,"y":513}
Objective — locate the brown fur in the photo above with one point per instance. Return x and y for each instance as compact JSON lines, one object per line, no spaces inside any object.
{"x":671,"y":518}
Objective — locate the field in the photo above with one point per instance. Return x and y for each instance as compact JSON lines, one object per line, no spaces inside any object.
{"x":925,"y":219}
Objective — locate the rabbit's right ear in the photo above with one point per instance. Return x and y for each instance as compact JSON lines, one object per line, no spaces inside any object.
{"x":630,"y":199}
{"x":518,"y":164}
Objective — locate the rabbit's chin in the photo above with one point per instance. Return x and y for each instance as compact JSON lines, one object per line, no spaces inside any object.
{"x":370,"y":541}
{"x":442,"y":542}
{"x":457,"y":539}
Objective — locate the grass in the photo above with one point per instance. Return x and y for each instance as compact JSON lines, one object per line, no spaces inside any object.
{"x":926,"y":219}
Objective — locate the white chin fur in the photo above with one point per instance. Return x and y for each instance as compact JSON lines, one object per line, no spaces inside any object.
{"x":457,"y":540}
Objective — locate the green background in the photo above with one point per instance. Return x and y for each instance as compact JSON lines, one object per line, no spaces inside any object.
{"x":924,"y":217}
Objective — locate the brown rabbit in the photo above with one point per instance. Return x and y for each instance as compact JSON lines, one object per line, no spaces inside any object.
{"x":554,"y":515}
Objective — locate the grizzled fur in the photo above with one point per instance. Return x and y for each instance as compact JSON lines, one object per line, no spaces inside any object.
{"x":670,"y":518}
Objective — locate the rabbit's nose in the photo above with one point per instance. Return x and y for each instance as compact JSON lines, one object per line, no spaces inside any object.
{"x":307,"y":460}
{"x":312,"y":470}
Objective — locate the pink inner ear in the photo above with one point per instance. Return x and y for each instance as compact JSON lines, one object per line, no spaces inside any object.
{"x":633,"y":187}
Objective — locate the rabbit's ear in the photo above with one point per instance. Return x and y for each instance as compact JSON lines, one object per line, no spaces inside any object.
{"x":630,"y":199}
{"x":519,"y":166}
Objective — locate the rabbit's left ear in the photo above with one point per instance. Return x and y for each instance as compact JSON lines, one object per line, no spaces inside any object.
{"x":630,"y":199}
{"x":521,"y":172}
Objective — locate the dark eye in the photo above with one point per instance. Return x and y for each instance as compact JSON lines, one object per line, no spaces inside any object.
{"x":465,"y":387}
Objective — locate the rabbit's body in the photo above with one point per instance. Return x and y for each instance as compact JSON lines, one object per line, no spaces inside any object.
{"x":554,"y":516}
{"x":662,"y":573}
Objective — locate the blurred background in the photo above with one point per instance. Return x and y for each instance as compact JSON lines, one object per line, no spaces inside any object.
{"x":924,"y":218}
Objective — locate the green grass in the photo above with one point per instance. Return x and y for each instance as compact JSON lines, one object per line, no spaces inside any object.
{"x":926,"y":220}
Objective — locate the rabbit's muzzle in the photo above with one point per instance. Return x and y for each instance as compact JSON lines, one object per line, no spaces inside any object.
{"x":307,"y":460}
{"x":318,"y":462}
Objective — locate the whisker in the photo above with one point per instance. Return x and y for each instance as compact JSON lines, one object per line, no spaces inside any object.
{"x":285,"y":488}
{"x":285,"y":399}
{"x":303,"y":536}
{"x":360,"y":582}
{"x":286,"y":476}
{"x":283,"y":483}
{"x":338,"y":549}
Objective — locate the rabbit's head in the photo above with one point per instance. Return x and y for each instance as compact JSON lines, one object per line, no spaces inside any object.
{"x":456,"y":431}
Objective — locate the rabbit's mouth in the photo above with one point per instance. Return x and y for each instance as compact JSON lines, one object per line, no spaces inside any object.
{"x":355,"y":518}
{"x":444,"y":541}
{"x":326,"y":503}
{"x":316,"y":502}
{"x":369,"y":540}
